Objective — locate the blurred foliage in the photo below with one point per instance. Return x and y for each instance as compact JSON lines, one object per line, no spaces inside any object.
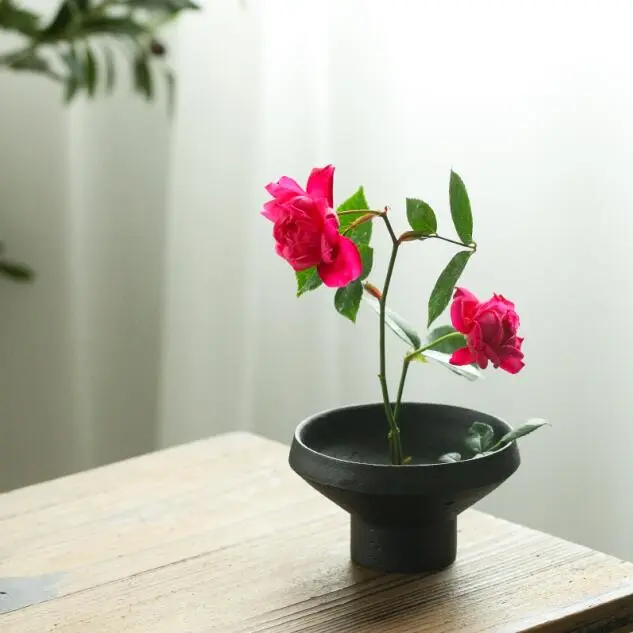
{"x":83,"y":46}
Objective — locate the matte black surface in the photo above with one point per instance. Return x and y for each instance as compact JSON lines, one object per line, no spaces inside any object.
{"x":403,"y":517}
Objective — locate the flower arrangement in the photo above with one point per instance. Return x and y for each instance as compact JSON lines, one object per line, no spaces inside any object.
{"x":333,"y":248}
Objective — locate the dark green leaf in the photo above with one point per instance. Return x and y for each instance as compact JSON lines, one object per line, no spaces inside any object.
{"x":307,"y":280}
{"x":347,"y":300}
{"x":169,"y":6}
{"x":524,"y":429}
{"x":66,"y":22}
{"x":59,"y":24}
{"x":16,"y":271}
{"x":110,"y":76}
{"x":449,"y":458}
{"x":460,"y":209}
{"x":449,"y":345}
{"x":113,"y":26}
{"x":421,"y":217}
{"x":143,"y":77}
{"x":362,"y":233}
{"x":465,"y":371}
{"x":443,"y":290}
{"x":72,"y":87}
{"x":480,"y":437}
{"x":75,"y":77}
{"x":170,"y":78}
{"x":30,"y":61}
{"x":396,"y":324}
{"x":367,"y":255}
{"x":90,"y":69}
{"x":13,"y":18}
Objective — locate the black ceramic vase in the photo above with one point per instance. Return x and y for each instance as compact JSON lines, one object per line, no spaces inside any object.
{"x":403,"y":518}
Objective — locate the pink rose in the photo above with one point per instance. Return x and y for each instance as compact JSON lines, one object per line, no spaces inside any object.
{"x":491,"y":332}
{"x":306,"y":228}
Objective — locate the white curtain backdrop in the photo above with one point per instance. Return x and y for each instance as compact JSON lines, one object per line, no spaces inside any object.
{"x":162,"y":314}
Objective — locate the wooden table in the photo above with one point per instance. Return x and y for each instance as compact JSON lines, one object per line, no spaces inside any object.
{"x":220,"y":535}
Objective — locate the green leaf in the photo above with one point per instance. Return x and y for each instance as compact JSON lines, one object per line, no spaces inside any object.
{"x":307,"y":280}
{"x":367,"y":255}
{"x":143,"y":77}
{"x":450,"y":345}
{"x":90,"y":69}
{"x":113,"y":26}
{"x":59,"y":23}
{"x":17,"y":272}
{"x":75,"y":77}
{"x":13,"y":18}
{"x":443,"y":290}
{"x":396,"y":324}
{"x":480,"y":437}
{"x":110,"y":76}
{"x":362,"y":233}
{"x":356,"y":201}
{"x":524,"y":429}
{"x":421,"y":217}
{"x":347,"y":300}
{"x":465,"y":371}
{"x":460,"y":209}
{"x":449,"y":458}
{"x":66,"y":22}
{"x":168,"y":6}
{"x":30,"y":61}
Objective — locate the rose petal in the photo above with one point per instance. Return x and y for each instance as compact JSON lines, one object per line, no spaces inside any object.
{"x":272,"y":210}
{"x":285,"y":188}
{"x":492,"y":354}
{"x":330,"y":239}
{"x":321,"y":184}
{"x":512,"y":361}
{"x":491,"y":328}
{"x":503,"y":300}
{"x":481,"y":359}
{"x":346,"y":267}
{"x":462,"y":356}
{"x":462,"y":309}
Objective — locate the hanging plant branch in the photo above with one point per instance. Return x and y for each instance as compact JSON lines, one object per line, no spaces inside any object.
{"x":76,"y":47}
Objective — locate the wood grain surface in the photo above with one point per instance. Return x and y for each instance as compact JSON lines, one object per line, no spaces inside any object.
{"x":220,"y":535}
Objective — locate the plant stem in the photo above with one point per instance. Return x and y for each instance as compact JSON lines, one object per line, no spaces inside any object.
{"x":362,"y":211}
{"x":395,"y":445}
{"x":472,"y":246}
{"x":441,"y":339}
{"x":410,"y":236}
{"x":403,"y":377}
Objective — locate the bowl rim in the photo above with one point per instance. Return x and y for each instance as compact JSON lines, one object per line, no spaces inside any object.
{"x":440,"y":405}
{"x":323,"y":469}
